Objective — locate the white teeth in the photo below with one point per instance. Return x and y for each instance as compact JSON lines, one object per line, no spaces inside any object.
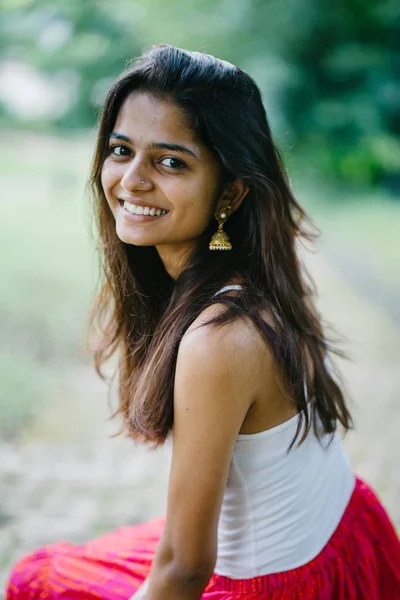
{"x":129,"y":207}
{"x":143,"y":210}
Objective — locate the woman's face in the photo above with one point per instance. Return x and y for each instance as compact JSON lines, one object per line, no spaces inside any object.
{"x":154,"y":164}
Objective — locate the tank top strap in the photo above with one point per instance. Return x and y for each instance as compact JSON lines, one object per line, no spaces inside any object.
{"x":226,"y":288}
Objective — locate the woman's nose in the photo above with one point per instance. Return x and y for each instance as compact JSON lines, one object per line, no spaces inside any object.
{"x":135,"y":177}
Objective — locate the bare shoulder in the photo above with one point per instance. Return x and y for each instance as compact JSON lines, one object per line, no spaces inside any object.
{"x":237,"y":342}
{"x":247,"y":359}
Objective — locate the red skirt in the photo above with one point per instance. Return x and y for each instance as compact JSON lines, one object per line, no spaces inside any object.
{"x":361,"y":561}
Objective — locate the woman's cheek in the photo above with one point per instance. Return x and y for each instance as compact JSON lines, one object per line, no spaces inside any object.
{"x":105,"y":177}
{"x":106,"y":186}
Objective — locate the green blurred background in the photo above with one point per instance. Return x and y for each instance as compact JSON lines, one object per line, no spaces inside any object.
{"x":329,"y":73}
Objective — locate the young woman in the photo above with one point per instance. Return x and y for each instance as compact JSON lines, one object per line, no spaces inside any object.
{"x":219,"y":346}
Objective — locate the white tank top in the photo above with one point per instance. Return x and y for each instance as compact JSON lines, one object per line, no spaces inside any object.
{"x":280,"y":507}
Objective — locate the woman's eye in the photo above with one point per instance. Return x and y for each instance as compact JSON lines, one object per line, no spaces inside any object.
{"x":174,"y":163}
{"x":119,"y":150}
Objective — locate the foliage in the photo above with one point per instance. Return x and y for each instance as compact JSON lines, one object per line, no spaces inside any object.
{"x":342,"y":96}
{"x":79,"y":45}
{"x":327,"y":70}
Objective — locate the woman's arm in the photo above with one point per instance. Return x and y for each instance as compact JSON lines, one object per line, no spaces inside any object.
{"x":212,"y":393}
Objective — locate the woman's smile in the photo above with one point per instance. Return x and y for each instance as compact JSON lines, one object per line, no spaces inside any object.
{"x":141,"y":213}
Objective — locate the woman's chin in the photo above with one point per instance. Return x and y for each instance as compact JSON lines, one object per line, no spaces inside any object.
{"x":137,"y":234}
{"x":134,"y":238}
{"x":133,"y":241}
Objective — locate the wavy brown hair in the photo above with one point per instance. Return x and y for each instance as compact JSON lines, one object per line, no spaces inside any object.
{"x":141,"y":313}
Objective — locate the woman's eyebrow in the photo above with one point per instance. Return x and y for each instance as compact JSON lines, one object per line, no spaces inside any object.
{"x":155,"y":145}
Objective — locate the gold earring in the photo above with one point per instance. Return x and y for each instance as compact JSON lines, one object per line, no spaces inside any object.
{"x":220,"y":239}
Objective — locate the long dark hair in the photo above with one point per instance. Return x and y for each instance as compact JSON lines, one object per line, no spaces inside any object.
{"x":142,"y":313}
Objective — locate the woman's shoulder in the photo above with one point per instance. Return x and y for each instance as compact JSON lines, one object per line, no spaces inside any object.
{"x":237,"y":327}
{"x":218,"y":359}
{"x":228,"y":336}
{"x":239,"y":339}
{"x":235,"y":351}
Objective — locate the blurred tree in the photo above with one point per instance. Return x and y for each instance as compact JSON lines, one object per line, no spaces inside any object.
{"x":79,"y":45}
{"x":340,"y":92}
{"x":329,"y":71}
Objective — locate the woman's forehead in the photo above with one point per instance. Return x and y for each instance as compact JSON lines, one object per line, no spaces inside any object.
{"x":144,"y":113}
{"x":149,"y":121}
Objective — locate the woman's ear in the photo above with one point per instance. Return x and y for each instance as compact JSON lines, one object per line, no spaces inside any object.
{"x":233,"y":195}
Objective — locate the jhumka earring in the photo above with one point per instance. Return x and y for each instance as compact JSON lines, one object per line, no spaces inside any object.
{"x":220,"y":239}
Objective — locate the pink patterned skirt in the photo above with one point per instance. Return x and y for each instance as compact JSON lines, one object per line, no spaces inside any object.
{"x":361,"y":561}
